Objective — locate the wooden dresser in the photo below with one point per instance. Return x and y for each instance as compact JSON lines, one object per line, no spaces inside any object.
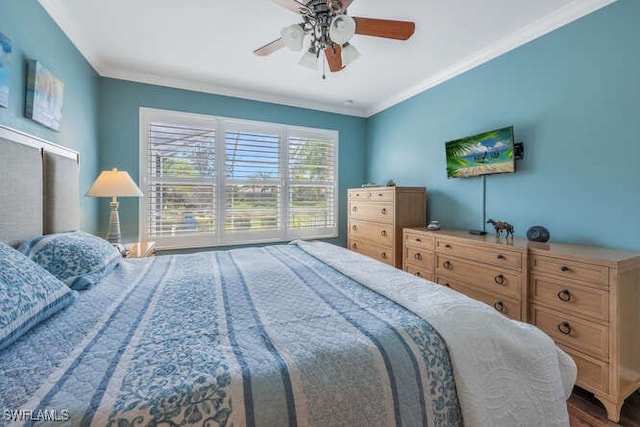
{"x":587,"y":299}
{"x":377,"y":216}
{"x":483,"y":267}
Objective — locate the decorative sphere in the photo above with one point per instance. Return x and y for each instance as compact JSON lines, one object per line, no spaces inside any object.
{"x":538,"y":233}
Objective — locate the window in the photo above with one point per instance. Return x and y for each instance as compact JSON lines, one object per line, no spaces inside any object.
{"x":214,"y":181}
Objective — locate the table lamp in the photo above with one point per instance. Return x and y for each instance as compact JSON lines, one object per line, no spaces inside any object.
{"x":114,"y":184}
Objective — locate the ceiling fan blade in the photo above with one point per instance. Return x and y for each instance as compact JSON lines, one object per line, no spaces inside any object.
{"x":294,"y":6}
{"x":334,"y":57}
{"x":269,"y":48}
{"x":339,"y":5}
{"x":389,"y":29}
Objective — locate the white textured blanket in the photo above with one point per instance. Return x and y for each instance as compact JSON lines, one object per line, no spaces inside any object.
{"x":507,"y":373}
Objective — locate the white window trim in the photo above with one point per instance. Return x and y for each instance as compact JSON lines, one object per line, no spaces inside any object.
{"x":220,"y":124}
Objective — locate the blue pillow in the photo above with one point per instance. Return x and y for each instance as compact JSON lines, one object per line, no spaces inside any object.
{"x":28,"y":294}
{"x":77,"y":258}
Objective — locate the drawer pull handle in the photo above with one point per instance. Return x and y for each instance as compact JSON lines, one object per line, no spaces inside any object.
{"x":499,"y":279}
{"x":418,"y":256}
{"x":500,"y":256}
{"x":564,"y":328}
{"x":564,"y":295}
{"x":383,"y":255}
{"x":383,"y":211}
{"x":418,"y":239}
{"x":354,"y":246}
{"x":355,"y":209}
{"x":448,"y":246}
{"x":418,"y":274}
{"x":565,"y":268}
{"x":383,"y":233}
{"x":357,"y":194}
{"x":447,"y":265}
{"x":354,"y":228}
{"x":499,"y":305}
{"x":379,"y":194}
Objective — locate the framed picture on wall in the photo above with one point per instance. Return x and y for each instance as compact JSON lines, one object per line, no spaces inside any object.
{"x":5,"y":70}
{"x":44,"y":96}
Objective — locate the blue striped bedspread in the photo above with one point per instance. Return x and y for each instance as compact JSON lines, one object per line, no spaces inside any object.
{"x":267,"y":336}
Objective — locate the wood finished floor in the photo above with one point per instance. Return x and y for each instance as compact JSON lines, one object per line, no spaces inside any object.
{"x":586,"y":411}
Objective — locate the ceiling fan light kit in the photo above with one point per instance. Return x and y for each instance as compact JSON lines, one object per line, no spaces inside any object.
{"x":330,"y":29}
{"x":293,"y":36}
{"x":349,"y":54}
{"x":310,"y":59}
{"x":342,"y":28}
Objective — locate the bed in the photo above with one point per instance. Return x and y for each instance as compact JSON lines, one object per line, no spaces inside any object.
{"x":303,"y":334}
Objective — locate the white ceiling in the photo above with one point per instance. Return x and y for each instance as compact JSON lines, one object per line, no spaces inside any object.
{"x":207,"y":45}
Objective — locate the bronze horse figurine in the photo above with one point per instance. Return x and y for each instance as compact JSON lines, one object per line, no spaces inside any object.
{"x":501,"y":226}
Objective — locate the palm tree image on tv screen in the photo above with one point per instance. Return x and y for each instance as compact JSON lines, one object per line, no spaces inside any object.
{"x":483,"y":154}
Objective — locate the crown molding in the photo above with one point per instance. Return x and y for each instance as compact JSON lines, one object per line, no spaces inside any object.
{"x":75,"y":35}
{"x":571,"y":12}
{"x":72,"y":31}
{"x":211,"y":88}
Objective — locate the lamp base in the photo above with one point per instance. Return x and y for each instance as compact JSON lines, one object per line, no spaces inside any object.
{"x":113,"y":236}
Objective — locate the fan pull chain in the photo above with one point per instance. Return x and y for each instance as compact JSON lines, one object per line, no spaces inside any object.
{"x":324,"y":68}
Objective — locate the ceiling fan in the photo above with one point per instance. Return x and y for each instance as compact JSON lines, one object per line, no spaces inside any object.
{"x":330,"y":29}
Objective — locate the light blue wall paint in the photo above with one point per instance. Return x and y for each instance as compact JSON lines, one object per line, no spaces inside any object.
{"x":34,"y":35}
{"x":574,"y":99}
{"x":119,"y":133}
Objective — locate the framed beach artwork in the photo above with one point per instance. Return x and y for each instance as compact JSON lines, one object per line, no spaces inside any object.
{"x":44,"y":96}
{"x":5,"y":70}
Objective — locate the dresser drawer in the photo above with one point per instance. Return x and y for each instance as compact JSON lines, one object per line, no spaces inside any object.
{"x":382,"y":195}
{"x":412,"y":238}
{"x":381,"y":234}
{"x":424,"y":274}
{"x":593,"y":374}
{"x":485,"y":255}
{"x":418,"y":258}
{"x":596,"y":274}
{"x":588,"y":337}
{"x":564,"y":296}
{"x":381,"y":253}
{"x":484,"y":278}
{"x":378,"y":212}
{"x":508,"y":307}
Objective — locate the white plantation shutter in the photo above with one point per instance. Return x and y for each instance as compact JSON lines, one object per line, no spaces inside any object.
{"x":312,"y":184}
{"x":181,"y":181}
{"x":252,"y":183}
{"x":212,"y":181}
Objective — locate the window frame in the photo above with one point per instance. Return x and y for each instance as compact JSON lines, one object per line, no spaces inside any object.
{"x":221,"y":125}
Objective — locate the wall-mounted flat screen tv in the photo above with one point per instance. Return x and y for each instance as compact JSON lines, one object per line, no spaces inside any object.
{"x":483,"y":154}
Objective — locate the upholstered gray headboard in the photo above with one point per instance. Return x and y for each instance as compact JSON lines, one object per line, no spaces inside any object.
{"x":39,"y":187}
{"x":61,"y":193}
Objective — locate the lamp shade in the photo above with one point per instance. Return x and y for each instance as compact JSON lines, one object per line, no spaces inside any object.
{"x":309,"y":59}
{"x":349,"y":54}
{"x":342,"y":28}
{"x":114,"y":183}
{"x":293,"y":36}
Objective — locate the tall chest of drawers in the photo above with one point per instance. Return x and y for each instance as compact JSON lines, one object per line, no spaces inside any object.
{"x":377,"y":216}
{"x":588,"y":300}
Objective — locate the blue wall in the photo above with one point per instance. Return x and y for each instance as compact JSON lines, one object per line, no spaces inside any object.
{"x":34,"y":35}
{"x":119,"y":134}
{"x":572,"y":96}
{"x":574,"y":99}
